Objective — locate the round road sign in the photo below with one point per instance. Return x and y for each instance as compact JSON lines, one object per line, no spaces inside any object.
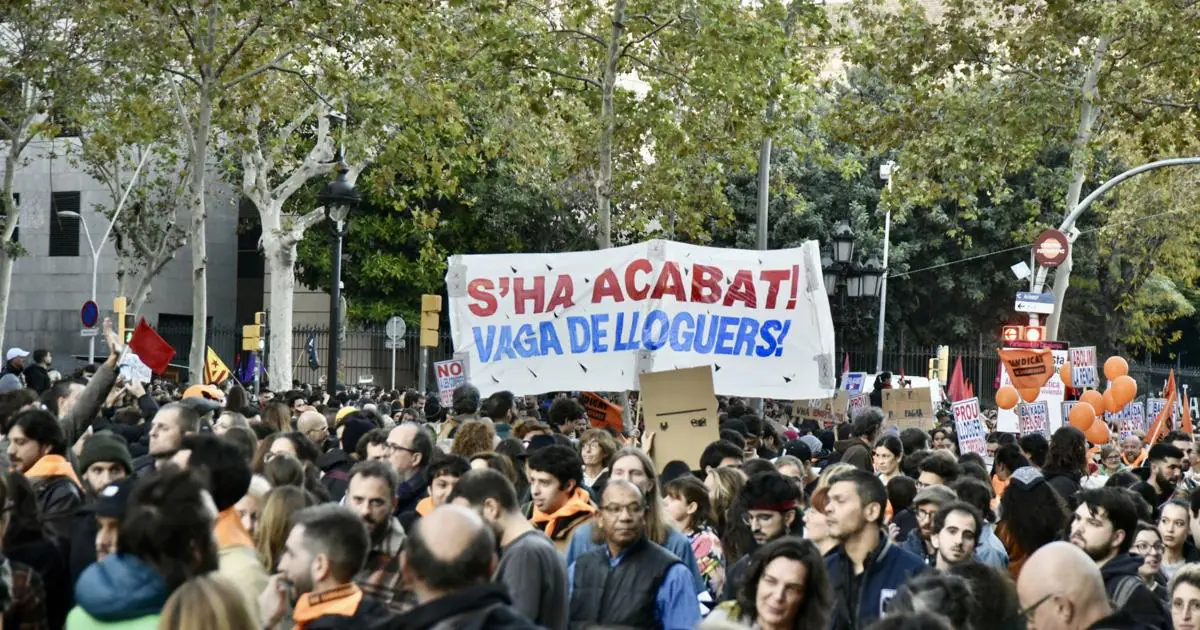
{"x":89,"y":314}
{"x":1050,"y":249}
{"x":395,"y":327}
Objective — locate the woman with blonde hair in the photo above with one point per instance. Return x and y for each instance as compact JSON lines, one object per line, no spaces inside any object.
{"x":205,"y":602}
{"x":635,"y":466}
{"x":275,"y":521}
{"x":472,"y":438}
{"x":723,"y":484}
{"x":596,"y":449}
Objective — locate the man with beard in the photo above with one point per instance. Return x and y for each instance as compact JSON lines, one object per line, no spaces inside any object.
{"x":1104,"y":526}
{"x":770,"y":504}
{"x":530,"y":565}
{"x":925,"y":507}
{"x":1166,"y":465}
{"x":955,"y":531}
{"x":372,"y":495}
{"x":170,"y":424}
{"x":324,"y":550}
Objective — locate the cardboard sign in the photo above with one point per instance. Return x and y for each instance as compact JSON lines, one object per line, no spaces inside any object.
{"x":1083,"y":367}
{"x":1028,"y":369}
{"x":601,"y":413}
{"x":680,"y":408}
{"x":1129,"y":420}
{"x":972,"y":437}
{"x":854,"y":382}
{"x":1052,"y":393}
{"x":1034,"y":417}
{"x":909,"y":408}
{"x":450,"y":374}
{"x":827,"y":411}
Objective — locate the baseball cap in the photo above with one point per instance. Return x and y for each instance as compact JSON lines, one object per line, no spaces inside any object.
{"x":799,"y":449}
{"x":14,"y":353}
{"x":112,"y":500}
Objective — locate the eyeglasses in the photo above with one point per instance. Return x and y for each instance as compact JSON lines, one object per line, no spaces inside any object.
{"x":1029,"y":612}
{"x":926,"y":515}
{"x":399,"y":447}
{"x":633,"y":509}
{"x":1144,"y":548}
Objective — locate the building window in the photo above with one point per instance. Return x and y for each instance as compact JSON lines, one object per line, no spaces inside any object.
{"x":16,"y":238}
{"x":64,"y":231}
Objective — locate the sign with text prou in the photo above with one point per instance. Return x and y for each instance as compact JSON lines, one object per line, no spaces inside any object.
{"x":969,"y":427}
{"x":1035,"y":418}
{"x":595,"y":321}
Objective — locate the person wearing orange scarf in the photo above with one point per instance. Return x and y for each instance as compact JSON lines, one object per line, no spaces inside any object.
{"x":324,"y":550}
{"x":560,"y":503}
{"x":36,"y":448}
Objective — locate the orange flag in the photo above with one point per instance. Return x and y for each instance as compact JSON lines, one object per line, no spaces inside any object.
{"x":1185,"y":422}
{"x":1028,"y":369}
{"x":1159,"y":427}
{"x":602,"y":413}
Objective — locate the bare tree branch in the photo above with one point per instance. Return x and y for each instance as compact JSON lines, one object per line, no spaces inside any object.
{"x":258,"y":21}
{"x":592,"y":82}
{"x":271,"y":65}
{"x":585,"y":34}
{"x":648,"y":35}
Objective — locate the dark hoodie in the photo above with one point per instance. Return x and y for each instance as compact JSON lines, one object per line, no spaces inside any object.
{"x":856,"y":453}
{"x":1065,"y":482}
{"x":1128,"y":593}
{"x":1119,"y":620}
{"x":336,"y":468}
{"x":485,"y":607}
{"x":120,"y":588}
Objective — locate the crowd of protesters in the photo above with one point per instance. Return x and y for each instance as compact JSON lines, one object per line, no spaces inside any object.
{"x":202,"y":507}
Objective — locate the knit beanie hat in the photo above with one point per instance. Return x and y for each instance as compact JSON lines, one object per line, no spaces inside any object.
{"x":105,"y":447}
{"x":353,"y":429}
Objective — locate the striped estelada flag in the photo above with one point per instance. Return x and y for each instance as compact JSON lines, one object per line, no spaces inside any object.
{"x":215,"y":370}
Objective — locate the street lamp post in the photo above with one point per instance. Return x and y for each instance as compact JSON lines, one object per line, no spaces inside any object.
{"x":840,"y":271}
{"x":886,"y":170}
{"x":339,"y":198}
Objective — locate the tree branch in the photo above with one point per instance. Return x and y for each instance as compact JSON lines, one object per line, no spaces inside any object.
{"x":653,"y":68}
{"x":592,"y":82}
{"x":573,"y":31}
{"x":238,"y":46}
{"x":648,"y":35}
{"x":271,"y":65}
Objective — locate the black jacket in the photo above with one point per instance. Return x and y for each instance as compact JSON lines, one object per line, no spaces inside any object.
{"x":1066,"y":483}
{"x":410,"y":493}
{"x":45,"y":557}
{"x":368,"y":610}
{"x":623,"y":596}
{"x":1119,"y":620}
{"x":37,"y":378}
{"x":1128,"y":593}
{"x":81,"y":550}
{"x":336,"y":468}
{"x":58,"y":499}
{"x":884,"y":571}
{"x":485,"y":607}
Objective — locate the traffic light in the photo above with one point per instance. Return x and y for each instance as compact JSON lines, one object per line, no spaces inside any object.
{"x":1034,"y":333}
{"x":125,"y":323}
{"x":1012,"y":333}
{"x":431,"y":309}
{"x":252,"y":335}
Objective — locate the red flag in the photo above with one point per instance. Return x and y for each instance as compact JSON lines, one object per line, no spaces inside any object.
{"x":1159,"y":426}
{"x":1185,"y":422}
{"x":846,"y":363}
{"x":153,"y":350}
{"x":958,"y":387}
{"x":970,"y":390}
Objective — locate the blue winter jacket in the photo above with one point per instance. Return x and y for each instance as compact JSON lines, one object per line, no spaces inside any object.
{"x":884,"y":571}
{"x":119,"y":592}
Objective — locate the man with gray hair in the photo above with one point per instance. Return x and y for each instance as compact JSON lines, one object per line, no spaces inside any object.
{"x":925,"y":506}
{"x":464,"y":407}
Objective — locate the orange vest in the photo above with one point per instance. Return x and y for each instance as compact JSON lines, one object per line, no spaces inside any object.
{"x":342,"y":601}
{"x":53,"y":466}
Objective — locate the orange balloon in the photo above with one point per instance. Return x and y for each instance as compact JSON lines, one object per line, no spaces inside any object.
{"x":1093,"y":398}
{"x":1111,"y":404}
{"x":1098,"y":433}
{"x":1115,"y":367}
{"x":1030,"y":394}
{"x":1082,"y":416}
{"x":1064,"y":373}
{"x":1124,"y":388}
{"x":1006,"y":397}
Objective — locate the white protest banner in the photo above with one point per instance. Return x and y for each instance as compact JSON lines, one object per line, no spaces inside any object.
{"x":1128,"y":420}
{"x":854,"y":382}
{"x":1154,"y":406}
{"x":594,"y":321}
{"x":1035,"y":418}
{"x":969,"y":427}
{"x":1052,"y":394}
{"x":450,"y":374}
{"x":131,"y":368}
{"x":1083,"y":367}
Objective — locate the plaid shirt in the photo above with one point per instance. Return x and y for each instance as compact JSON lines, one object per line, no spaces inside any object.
{"x":380,"y":577}
{"x":28,"y":609}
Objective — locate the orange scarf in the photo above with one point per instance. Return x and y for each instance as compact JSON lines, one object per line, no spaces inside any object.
{"x":342,"y":601}
{"x":425,"y":506}
{"x":230,"y":532}
{"x":53,"y":466}
{"x":580,"y":501}
{"x":1137,"y":461}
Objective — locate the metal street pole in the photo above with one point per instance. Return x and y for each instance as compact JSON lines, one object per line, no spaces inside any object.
{"x":335,"y":300}
{"x":422,"y":379}
{"x":764,"y":195}
{"x":886,"y":170}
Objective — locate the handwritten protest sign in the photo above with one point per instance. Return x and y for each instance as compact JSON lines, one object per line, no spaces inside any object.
{"x":1052,"y":393}
{"x":1083,"y":367}
{"x":1035,"y":417}
{"x":450,"y":374}
{"x":967,"y":424}
{"x":826,"y":411}
{"x":909,"y":407}
{"x":681,"y":409}
{"x":1129,"y":420}
{"x":601,"y":413}
{"x":858,"y":403}
{"x":854,"y":382}
{"x":1154,"y":406}
{"x":595,"y":321}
